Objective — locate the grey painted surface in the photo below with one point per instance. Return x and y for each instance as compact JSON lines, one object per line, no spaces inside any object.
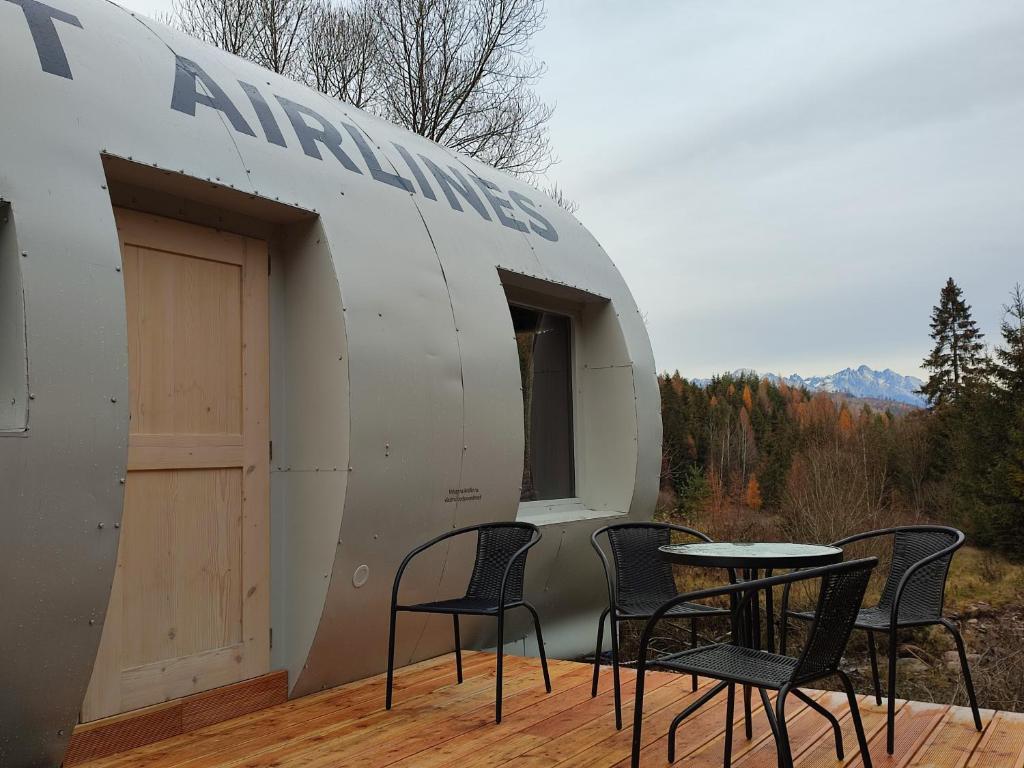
{"x":395,"y":376}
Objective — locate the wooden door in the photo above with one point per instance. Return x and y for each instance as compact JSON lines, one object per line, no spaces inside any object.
{"x":190,"y":608}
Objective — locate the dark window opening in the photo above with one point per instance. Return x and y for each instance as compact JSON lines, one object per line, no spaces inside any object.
{"x":545,"y":365}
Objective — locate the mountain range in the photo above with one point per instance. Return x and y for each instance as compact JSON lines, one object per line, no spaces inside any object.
{"x":862,"y":382}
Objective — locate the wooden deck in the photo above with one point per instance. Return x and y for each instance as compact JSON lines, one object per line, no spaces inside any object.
{"x":437,"y":723}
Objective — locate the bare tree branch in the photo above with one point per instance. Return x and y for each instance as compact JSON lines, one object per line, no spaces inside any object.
{"x":459,"y":72}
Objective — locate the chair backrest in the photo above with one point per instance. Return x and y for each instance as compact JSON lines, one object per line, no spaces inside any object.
{"x":640,"y":572}
{"x":496,"y":546}
{"x":924,"y":593}
{"x":839,"y":600}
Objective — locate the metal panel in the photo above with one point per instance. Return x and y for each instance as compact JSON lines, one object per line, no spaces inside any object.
{"x":394,"y":280}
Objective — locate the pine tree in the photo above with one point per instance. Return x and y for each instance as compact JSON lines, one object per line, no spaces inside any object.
{"x":958,"y":358}
{"x":1010,"y":374}
{"x":1009,"y":369}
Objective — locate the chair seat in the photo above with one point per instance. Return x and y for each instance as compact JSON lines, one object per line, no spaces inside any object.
{"x":644,"y":608}
{"x":471,"y":605}
{"x":877,"y":618}
{"x":733,"y":663}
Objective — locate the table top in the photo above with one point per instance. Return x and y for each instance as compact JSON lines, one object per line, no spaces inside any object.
{"x":760,"y":555}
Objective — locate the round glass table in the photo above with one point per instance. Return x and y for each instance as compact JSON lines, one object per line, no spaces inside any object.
{"x":746,"y":562}
{"x":762,"y":556}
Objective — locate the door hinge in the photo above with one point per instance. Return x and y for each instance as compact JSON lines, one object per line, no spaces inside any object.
{"x":271,"y":450}
{"x":271,"y":637}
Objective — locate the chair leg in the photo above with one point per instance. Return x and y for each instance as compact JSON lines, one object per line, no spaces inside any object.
{"x":458,"y":647}
{"x":858,"y":726}
{"x":638,"y":714}
{"x":874,"y":668}
{"x":540,"y":646}
{"x":690,"y":709}
{"x":783,"y":629}
{"x":730,"y":712}
{"x":693,"y":644}
{"x":391,"y":658}
{"x":968,"y":682}
{"x":785,"y":753}
{"x":614,"y":626}
{"x":501,"y":654}
{"x":769,"y":712}
{"x":597,"y":652}
{"x":836,"y":728}
{"x":890,"y":718}
{"x":748,"y":725}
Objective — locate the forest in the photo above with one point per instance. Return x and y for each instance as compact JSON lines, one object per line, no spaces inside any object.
{"x":821,"y":466}
{"x":746,"y":459}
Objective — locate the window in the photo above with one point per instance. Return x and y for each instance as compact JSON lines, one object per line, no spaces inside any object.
{"x":545,"y":365}
{"x":13,"y":361}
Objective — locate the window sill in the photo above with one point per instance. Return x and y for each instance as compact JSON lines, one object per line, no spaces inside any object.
{"x":556,"y":511}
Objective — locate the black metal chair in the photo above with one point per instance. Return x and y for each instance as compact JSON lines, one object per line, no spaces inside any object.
{"x":839,"y":599}
{"x":913,"y":596}
{"x":495,"y":585}
{"x":642,"y":581}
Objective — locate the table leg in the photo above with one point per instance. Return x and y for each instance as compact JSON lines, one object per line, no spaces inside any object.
{"x":755,"y":615}
{"x":751,"y":641}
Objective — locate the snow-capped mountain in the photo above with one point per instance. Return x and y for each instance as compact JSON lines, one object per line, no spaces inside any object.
{"x":858,"y":382}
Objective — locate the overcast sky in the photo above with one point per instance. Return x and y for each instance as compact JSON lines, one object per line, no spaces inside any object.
{"x":786,"y":186}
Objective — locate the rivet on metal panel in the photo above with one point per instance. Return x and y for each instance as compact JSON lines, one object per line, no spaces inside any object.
{"x":117,"y":525}
{"x":113,"y":399}
{"x":31,"y":395}
{"x":103,"y":186}
{"x":349,"y":467}
{"x":117,"y":268}
{"x":24,"y":254}
{"x":121,"y":481}
{"x":92,"y":622}
{"x":99,"y":525}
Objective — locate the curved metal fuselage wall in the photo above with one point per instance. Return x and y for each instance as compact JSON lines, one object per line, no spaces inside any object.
{"x":405,"y":310}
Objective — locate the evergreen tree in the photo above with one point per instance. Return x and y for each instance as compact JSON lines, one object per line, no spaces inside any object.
{"x":1009,"y":464}
{"x":958,"y":358}
{"x":1009,"y":369}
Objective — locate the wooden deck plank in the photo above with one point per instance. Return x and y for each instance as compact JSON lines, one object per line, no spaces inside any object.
{"x":491,"y":741}
{"x":345,"y":729}
{"x":1002,"y":744}
{"x":914,"y":724}
{"x":438,"y":724}
{"x":433,"y":722}
{"x":822,"y":753}
{"x":566,"y":747}
{"x":517,"y":749}
{"x":415,"y":680}
{"x":953,"y":742}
